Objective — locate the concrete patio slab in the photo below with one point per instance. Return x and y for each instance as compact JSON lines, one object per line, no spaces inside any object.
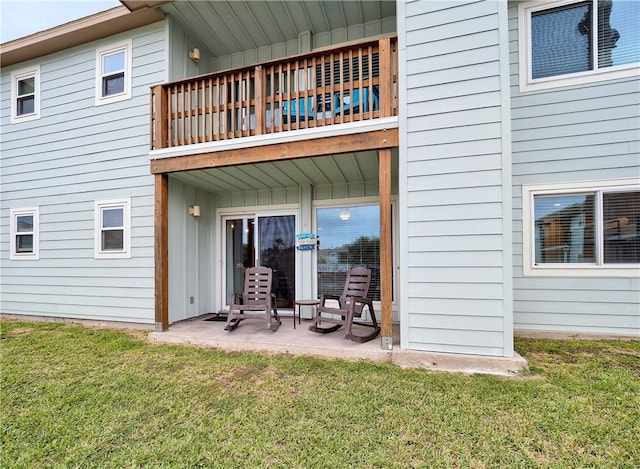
{"x":252,"y":335}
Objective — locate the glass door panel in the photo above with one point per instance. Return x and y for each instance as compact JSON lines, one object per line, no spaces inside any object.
{"x":277,"y":249}
{"x":240,"y":253}
{"x":271,"y":244}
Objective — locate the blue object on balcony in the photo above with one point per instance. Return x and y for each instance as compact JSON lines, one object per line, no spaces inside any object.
{"x":299,"y":108}
{"x":352,"y":102}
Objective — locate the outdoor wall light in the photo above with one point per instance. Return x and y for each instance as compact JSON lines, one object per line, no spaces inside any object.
{"x":194,"y":54}
{"x":194,"y":210}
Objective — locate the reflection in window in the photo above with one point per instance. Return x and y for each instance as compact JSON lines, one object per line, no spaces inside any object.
{"x":113,"y":229}
{"x":564,"y":229}
{"x":26,"y":96}
{"x":621,"y":226}
{"x":348,"y":237}
{"x":598,"y":228}
{"x":24,"y":233}
{"x":277,"y":244}
{"x":563,"y":39}
{"x":113,"y":66}
{"x":557,"y":46}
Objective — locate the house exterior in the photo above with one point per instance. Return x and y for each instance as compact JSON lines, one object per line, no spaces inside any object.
{"x":490,"y":180}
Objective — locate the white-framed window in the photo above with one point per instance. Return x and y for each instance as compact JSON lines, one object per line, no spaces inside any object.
{"x":25,"y":94}
{"x":113,"y":73}
{"x":582,"y":229}
{"x":348,"y":235}
{"x":25,"y":233}
{"x":569,"y":42}
{"x":113,"y":228}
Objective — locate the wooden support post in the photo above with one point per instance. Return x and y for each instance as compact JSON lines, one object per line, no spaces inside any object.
{"x":260,"y":92}
{"x":386,"y":258}
{"x":386,"y":74}
{"x":159,"y":137}
{"x":161,"y":223}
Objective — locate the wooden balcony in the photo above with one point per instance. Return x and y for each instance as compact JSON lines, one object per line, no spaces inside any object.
{"x":353,"y":83}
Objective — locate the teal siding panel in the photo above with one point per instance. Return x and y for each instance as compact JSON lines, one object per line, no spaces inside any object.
{"x":474,"y":291}
{"x":454,"y":212}
{"x":588,"y":132}
{"x":75,"y":154}
{"x":454,"y":180}
{"x":450,"y":340}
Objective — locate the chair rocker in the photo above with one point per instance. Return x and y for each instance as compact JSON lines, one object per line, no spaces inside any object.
{"x":257,"y":301}
{"x":350,"y":305}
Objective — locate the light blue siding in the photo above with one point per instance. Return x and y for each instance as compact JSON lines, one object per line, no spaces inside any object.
{"x":191,"y":252}
{"x":182,"y":41}
{"x":456,"y":286}
{"x":587,"y":132}
{"x":78,"y":153}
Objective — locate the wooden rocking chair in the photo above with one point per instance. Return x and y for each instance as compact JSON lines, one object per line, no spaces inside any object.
{"x":350,"y":305}
{"x":257,"y":301}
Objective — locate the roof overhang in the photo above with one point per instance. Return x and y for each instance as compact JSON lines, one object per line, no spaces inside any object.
{"x":133,"y":14}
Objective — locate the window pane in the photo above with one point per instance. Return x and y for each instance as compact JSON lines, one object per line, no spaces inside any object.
{"x":621,"y":212}
{"x":26,"y":106}
{"x":564,"y":228}
{"x":349,"y":237}
{"x":113,"y":84}
{"x":113,"y":62}
{"x":24,"y":243}
{"x":26,"y":86}
{"x":112,"y":217}
{"x":618,"y":32}
{"x":113,"y":240}
{"x":560,"y":41}
{"x":24,"y":223}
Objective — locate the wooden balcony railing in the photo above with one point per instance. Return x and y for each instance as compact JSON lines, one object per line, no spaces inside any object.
{"x":346,"y":84}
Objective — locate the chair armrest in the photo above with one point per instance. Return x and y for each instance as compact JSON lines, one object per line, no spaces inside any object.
{"x":325,"y":297}
{"x":361,"y":299}
{"x":364,"y":302}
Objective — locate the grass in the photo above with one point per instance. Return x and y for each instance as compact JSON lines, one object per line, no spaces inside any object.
{"x":74,"y":396}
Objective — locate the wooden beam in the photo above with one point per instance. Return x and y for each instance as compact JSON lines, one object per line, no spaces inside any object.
{"x":364,"y":141}
{"x":386,"y":248}
{"x":161,"y":223}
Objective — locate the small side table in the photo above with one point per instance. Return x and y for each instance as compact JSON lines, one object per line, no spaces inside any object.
{"x":299,"y":304}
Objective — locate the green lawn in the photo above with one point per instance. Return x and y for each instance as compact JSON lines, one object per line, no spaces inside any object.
{"x":74,"y":396}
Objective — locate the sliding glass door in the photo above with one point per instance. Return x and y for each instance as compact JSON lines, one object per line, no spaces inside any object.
{"x":265,"y":240}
